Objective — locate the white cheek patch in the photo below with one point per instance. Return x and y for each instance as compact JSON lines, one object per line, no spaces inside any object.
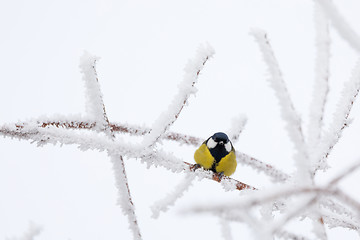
{"x":211,"y":143}
{"x":228,"y":146}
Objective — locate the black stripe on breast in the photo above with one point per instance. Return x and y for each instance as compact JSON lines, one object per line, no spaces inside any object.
{"x":218,"y":152}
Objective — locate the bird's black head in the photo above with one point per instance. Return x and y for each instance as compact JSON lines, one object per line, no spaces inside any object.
{"x":219,"y":141}
{"x":219,"y":145}
{"x":220,"y":138}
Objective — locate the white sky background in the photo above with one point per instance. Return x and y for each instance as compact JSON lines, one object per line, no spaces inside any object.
{"x":144,"y":46}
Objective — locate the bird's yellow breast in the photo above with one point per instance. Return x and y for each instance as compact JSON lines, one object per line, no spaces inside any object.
{"x":227,"y":164}
{"x":203,"y":157}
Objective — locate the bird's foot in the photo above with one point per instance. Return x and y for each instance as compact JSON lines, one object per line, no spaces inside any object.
{"x":219,"y":175}
{"x":195,"y":166}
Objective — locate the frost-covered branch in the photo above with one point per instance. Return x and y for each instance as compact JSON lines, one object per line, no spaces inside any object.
{"x":186,"y":89}
{"x":124,"y":196}
{"x":318,"y":102}
{"x":33,"y":231}
{"x":277,"y":83}
{"x":294,"y":211}
{"x":94,"y":141}
{"x":276,"y":174}
{"x":336,"y":219}
{"x":96,"y":109}
{"x":340,"y":24}
{"x":288,"y":112}
{"x":237,"y":126}
{"x":340,"y":118}
{"x":164,"y":204}
{"x":234,"y":215}
{"x":336,"y":208}
{"x":225,"y":229}
{"x":288,"y":235}
{"x":308,"y":196}
{"x":321,"y":88}
{"x":80,"y":123}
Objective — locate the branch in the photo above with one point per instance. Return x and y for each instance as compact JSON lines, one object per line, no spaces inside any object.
{"x":320,"y":93}
{"x":271,"y":171}
{"x":164,"y":204}
{"x":33,"y":231}
{"x":186,"y":89}
{"x":96,"y":109}
{"x":334,"y":220}
{"x":321,"y":88}
{"x":338,"y":209}
{"x":288,"y":112}
{"x":241,"y":216}
{"x":92,"y":141}
{"x":237,"y":126}
{"x":340,"y":119}
{"x":293,"y":212}
{"x":272,"y":195}
{"x":340,"y":24}
{"x":225,"y":229}
{"x":124,"y":196}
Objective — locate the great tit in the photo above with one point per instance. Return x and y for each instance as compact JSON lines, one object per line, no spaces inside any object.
{"x":217,"y":154}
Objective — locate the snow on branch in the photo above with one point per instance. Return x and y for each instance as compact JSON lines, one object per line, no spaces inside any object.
{"x":275,"y":174}
{"x":235,"y":215}
{"x":321,"y":88}
{"x":288,"y":235}
{"x":186,"y":89}
{"x":318,"y":102}
{"x":33,"y":231}
{"x":92,"y":141}
{"x":225,"y":229}
{"x":95,"y":107}
{"x":288,"y":112}
{"x":340,"y":118}
{"x":336,"y":219}
{"x":346,"y":172}
{"x":340,"y":24}
{"x":336,"y":208}
{"x":82,"y":123}
{"x":236,"y":210}
{"x":237,"y":126}
{"x":125,"y":200}
{"x":306,"y":197}
{"x":74,"y":123}
{"x":164,"y":204}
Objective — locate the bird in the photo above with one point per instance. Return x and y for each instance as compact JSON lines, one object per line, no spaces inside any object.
{"x":217,"y":154}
